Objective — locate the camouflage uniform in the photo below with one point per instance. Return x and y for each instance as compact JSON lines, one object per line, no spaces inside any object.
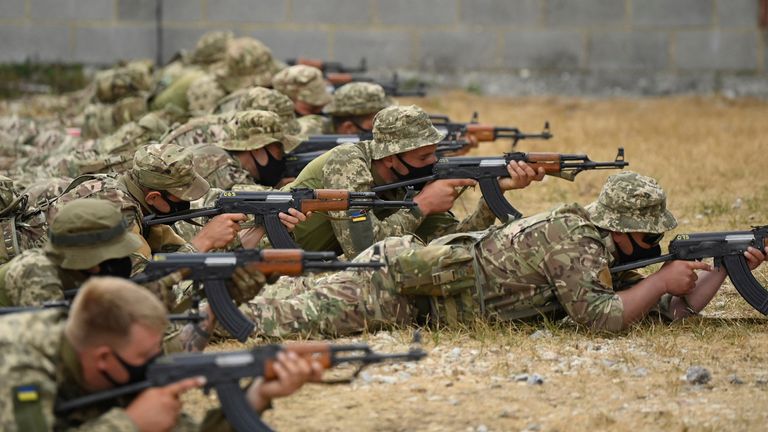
{"x":220,"y":64}
{"x":231,"y":132}
{"x":84,"y":234}
{"x":349,"y":167}
{"x":160,"y":167}
{"x":357,"y":99}
{"x":120,"y":97}
{"x":314,"y":124}
{"x":39,"y":365}
{"x":554,"y":263}
{"x":261,"y":98}
{"x":111,"y":154}
{"x":306,"y":84}
{"x":22,"y":224}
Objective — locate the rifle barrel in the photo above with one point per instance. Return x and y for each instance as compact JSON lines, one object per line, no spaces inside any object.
{"x":642,"y":263}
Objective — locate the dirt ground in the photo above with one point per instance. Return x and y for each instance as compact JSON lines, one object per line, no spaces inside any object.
{"x":709,"y":153}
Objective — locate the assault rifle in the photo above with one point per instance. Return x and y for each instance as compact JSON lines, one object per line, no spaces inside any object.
{"x":391,"y":88}
{"x":727,"y":248}
{"x":265,"y":207}
{"x":487,"y":133}
{"x":295,"y":162}
{"x":224,"y":370}
{"x":192,"y":315}
{"x":214,"y":269}
{"x":322,"y":143}
{"x":487,"y":170}
{"x":329,"y":66}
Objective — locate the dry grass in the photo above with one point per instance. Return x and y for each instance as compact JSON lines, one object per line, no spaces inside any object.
{"x":709,"y":154}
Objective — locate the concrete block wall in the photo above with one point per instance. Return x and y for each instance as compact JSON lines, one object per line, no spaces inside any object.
{"x":622,"y":41}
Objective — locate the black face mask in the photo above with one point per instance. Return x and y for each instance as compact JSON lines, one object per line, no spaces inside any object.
{"x":638,"y":252}
{"x":271,"y":173}
{"x":118,"y":267}
{"x":176,"y":206}
{"x":136,"y":373}
{"x":414,"y":173}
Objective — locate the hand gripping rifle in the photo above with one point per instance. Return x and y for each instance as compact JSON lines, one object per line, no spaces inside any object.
{"x":224,"y":370}
{"x":487,"y":170}
{"x":487,"y":133}
{"x":265,"y":207}
{"x":727,"y":248}
{"x":214,"y":269}
{"x":329,"y":66}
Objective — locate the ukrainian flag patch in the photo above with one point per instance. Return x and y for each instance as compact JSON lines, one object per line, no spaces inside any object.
{"x":359,"y":217}
{"x":27,"y":393}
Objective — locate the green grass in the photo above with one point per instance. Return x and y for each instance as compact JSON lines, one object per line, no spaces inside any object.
{"x":19,"y":79}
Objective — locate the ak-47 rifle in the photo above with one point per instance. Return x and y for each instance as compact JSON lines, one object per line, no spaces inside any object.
{"x":214,"y":269}
{"x":391,"y":88}
{"x":297,"y":161}
{"x":317,"y":143}
{"x":487,"y":170}
{"x":487,"y":133}
{"x":727,"y":248}
{"x":329,"y":66}
{"x":224,"y":370}
{"x":192,"y":315}
{"x":265,"y":207}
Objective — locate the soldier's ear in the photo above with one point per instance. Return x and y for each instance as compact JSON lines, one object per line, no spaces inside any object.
{"x":388,"y":161}
{"x":101,"y":356}
{"x":151,"y":197}
{"x":347,"y":128}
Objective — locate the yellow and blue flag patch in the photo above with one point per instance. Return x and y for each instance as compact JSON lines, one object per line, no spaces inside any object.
{"x":359,"y":217}
{"x":27,"y":393}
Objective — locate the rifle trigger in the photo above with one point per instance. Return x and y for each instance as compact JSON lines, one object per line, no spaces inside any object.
{"x":410,"y":192}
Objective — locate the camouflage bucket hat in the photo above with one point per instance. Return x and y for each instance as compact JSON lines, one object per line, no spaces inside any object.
{"x":133,"y":135}
{"x":399,"y":129}
{"x":87,"y":232}
{"x":168,"y":167}
{"x":630,"y":202}
{"x":247,"y":63}
{"x":211,"y":47}
{"x":256,"y":129}
{"x":115,"y":84}
{"x":203,"y":94}
{"x":303,"y":83}
{"x":261,"y":98}
{"x":357,"y":99}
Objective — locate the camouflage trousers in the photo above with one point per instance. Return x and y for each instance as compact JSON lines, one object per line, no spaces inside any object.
{"x":353,"y":301}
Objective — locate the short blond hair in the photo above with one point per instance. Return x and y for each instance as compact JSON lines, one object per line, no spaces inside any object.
{"x":105,"y":309}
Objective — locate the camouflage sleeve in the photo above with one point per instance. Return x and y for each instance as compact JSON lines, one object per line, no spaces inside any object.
{"x":578,"y":270}
{"x":32,"y":279}
{"x":440,"y":224}
{"x":356,"y":231}
{"x":29,"y":389}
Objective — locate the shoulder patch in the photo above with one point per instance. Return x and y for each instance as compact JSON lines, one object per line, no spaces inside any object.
{"x":27,"y":408}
